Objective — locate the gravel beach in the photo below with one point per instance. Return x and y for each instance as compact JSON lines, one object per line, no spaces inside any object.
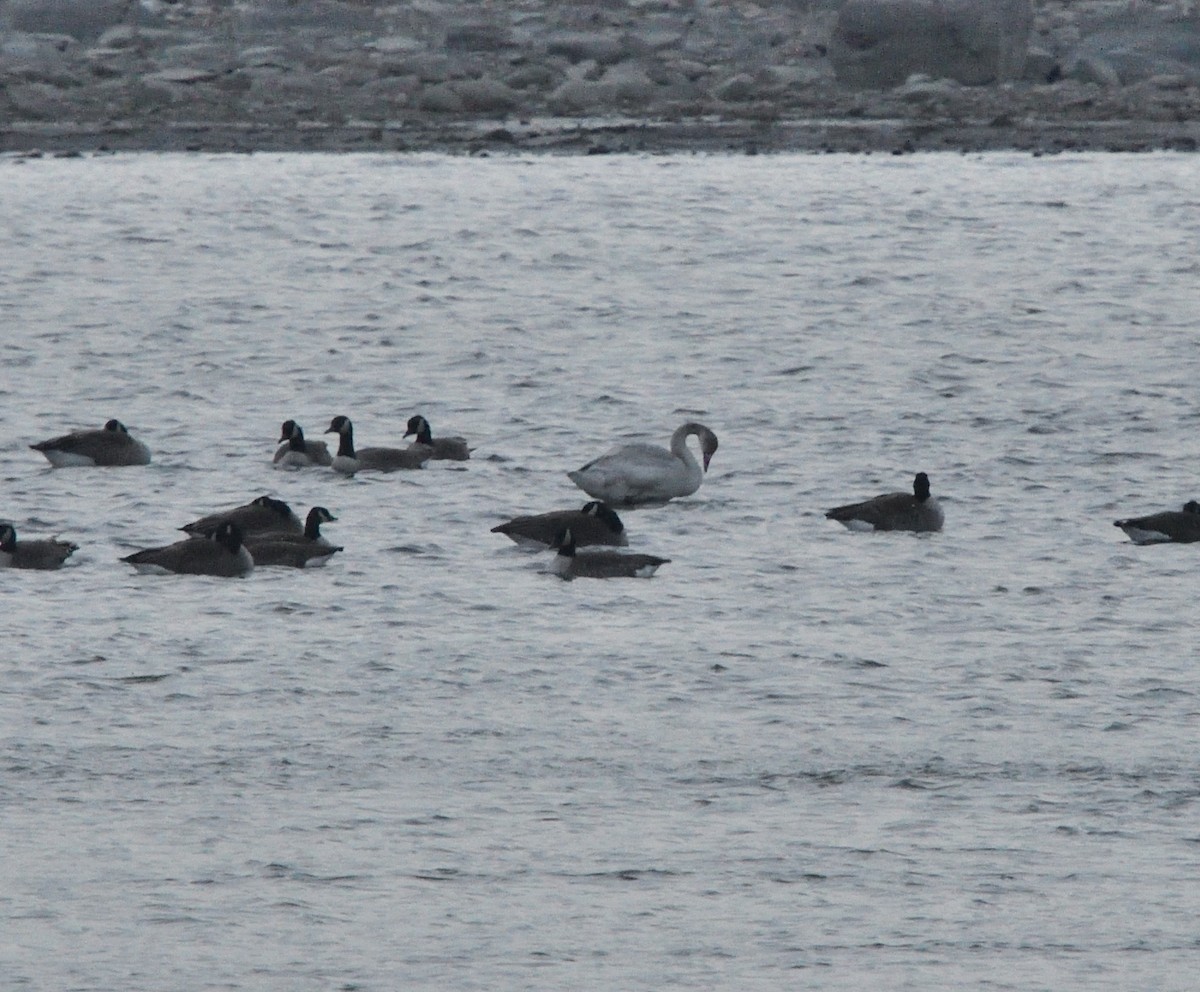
{"x":594,"y":77}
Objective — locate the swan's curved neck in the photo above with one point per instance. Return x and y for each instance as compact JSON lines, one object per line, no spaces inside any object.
{"x":680,"y":449}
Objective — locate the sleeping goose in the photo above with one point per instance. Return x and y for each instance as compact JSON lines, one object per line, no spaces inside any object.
{"x":918,"y":511}
{"x":262,"y":514}
{"x":594,"y":524}
{"x":637,"y":474}
{"x":570,"y":564}
{"x":348,"y":460}
{"x":295,"y":451}
{"x":222,"y":554}
{"x":45,"y":554}
{"x":452,"y":449}
{"x":1179,"y":526}
{"x":112,"y":445}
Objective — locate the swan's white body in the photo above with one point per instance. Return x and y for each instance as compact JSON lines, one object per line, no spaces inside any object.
{"x":639,"y":474}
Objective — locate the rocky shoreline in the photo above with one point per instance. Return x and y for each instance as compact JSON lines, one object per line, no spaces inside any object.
{"x":598,"y":77}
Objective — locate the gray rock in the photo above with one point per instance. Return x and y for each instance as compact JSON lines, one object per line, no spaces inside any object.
{"x":1133,"y":49}
{"x":482,"y":37}
{"x":1041,"y":66}
{"x":50,"y":59}
{"x":537,"y":76}
{"x":601,"y":48}
{"x":586,"y":96}
{"x":485,"y":96}
{"x":878,"y":44}
{"x":630,"y":83}
{"x":38,"y":101}
{"x":84,"y":20}
{"x":737,"y":89}
{"x":440,"y":98}
{"x":181,"y":75}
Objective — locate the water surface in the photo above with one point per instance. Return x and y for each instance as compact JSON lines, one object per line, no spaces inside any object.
{"x":796,"y":758}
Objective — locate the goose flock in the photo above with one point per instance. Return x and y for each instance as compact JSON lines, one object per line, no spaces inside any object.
{"x":266,"y":532}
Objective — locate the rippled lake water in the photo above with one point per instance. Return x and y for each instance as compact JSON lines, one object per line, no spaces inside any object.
{"x":796,"y":758}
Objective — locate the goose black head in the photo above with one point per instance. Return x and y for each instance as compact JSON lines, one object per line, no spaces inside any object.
{"x":601,"y":511}
{"x":116,"y":427}
{"x":339,"y":425}
{"x":270,"y":503}
{"x":229,"y":535}
{"x":419,"y":426}
{"x":921,"y":487}
{"x":564,"y":541}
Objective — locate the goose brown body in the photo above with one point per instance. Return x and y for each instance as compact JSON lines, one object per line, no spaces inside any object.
{"x":43,"y":554}
{"x":915,"y":511}
{"x":112,"y":445}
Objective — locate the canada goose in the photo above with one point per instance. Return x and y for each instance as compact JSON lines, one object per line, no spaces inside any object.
{"x":916,"y":511}
{"x":112,"y":445}
{"x":261,"y":514}
{"x":452,"y":449}
{"x":594,"y":524}
{"x":570,"y":564}
{"x":1179,"y":526}
{"x":636,"y":474}
{"x":295,"y":451}
{"x":310,"y":535}
{"x":266,"y":550}
{"x":306,"y":550}
{"x":348,"y":461}
{"x":45,"y":554}
{"x":221,"y":554}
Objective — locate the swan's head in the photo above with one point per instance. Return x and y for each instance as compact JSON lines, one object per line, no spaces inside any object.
{"x":708,"y":445}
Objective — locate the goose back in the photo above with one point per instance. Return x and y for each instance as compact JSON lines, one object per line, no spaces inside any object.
{"x":916,"y":511}
{"x":44,"y":554}
{"x":221,"y":554}
{"x":112,"y":445}
{"x":594,"y":524}
{"x":1169,"y":526}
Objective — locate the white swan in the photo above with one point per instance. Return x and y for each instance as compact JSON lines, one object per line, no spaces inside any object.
{"x":637,"y":474}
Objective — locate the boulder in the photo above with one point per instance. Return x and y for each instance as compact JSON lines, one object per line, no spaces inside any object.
{"x":84,"y":21}
{"x":878,"y":44}
{"x":1134,"y":49}
{"x":485,"y":95}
